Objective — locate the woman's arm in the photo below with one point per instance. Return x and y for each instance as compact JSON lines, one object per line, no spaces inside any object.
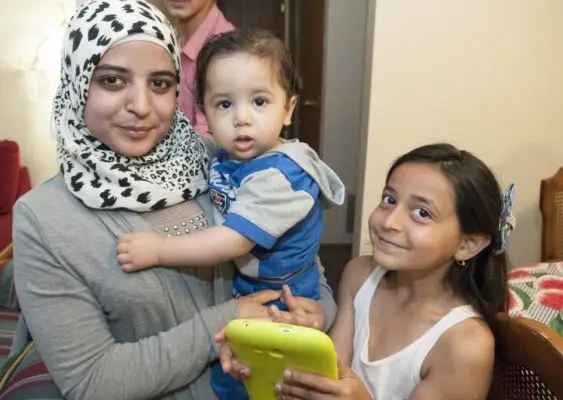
{"x":70,"y":329}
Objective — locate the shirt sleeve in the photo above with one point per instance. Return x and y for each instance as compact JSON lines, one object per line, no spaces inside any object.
{"x":70,"y":330}
{"x":270,"y":202}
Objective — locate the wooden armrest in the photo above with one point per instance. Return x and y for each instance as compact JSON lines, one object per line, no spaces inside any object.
{"x":553,"y":337}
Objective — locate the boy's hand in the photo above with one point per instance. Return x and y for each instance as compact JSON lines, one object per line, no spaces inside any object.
{"x":139,"y":250}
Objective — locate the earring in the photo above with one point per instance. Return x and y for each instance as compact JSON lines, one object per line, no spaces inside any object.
{"x":461,"y":263}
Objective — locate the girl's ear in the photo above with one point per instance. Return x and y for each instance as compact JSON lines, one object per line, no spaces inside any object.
{"x":471,"y":245}
{"x":290,"y":107}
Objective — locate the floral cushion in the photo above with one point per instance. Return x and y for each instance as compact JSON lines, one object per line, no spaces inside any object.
{"x":536,"y":292}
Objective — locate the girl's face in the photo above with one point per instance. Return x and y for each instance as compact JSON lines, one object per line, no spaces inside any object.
{"x":132,"y":98}
{"x":245,"y":105}
{"x":415,"y":227}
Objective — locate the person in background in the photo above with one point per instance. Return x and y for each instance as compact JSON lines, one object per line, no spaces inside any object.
{"x":195,"y":22}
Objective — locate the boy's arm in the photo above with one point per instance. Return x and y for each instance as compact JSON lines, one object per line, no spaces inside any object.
{"x":205,"y":248}
{"x":267,"y":205}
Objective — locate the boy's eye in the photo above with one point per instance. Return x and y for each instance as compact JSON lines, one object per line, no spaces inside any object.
{"x":260,"y":102}
{"x":224,"y":104}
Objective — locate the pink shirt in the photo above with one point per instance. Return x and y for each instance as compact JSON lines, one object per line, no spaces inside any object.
{"x":214,"y":23}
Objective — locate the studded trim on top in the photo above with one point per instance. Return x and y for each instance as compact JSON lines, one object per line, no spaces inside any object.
{"x":187,"y":226}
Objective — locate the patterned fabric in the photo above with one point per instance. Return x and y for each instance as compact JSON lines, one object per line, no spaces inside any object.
{"x":26,"y":377}
{"x":536,"y":292}
{"x":8,"y":298}
{"x":8,"y":324}
{"x":174,"y":171}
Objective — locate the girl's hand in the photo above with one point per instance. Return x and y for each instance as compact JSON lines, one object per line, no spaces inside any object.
{"x":300,"y":385}
{"x":302,"y":311}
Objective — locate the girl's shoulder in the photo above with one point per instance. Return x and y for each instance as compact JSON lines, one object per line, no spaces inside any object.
{"x":469,"y":343}
{"x":355,"y":274}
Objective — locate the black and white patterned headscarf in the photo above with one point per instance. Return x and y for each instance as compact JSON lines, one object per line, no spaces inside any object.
{"x":175,"y":170}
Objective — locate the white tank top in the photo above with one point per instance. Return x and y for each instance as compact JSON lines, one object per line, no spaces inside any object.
{"x":396,"y":376}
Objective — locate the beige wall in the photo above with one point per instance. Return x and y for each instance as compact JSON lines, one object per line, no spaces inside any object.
{"x":29,"y":69}
{"x":486,"y":75}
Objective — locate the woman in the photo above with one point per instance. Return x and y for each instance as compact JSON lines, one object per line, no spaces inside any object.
{"x":128,"y":161}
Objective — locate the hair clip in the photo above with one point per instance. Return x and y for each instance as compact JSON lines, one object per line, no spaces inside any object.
{"x":507,"y":221}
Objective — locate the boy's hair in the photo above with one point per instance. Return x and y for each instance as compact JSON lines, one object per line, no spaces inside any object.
{"x":257,"y":42}
{"x":478,"y":202}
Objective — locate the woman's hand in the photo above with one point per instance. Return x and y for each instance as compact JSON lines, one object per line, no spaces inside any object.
{"x":250,"y":306}
{"x":300,"y":385}
{"x":228,"y":362}
{"x":302,"y":311}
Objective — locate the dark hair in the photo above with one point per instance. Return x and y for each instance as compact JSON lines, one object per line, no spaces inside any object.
{"x":257,"y":42}
{"x":482,"y":281}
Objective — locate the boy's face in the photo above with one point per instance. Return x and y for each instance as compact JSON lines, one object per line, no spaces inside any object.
{"x":187,"y":9}
{"x":245,"y":105}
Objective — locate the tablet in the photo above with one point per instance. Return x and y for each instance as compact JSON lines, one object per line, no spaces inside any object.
{"x":269,"y":348}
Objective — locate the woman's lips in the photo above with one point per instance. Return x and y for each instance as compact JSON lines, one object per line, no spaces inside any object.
{"x":136,"y":132}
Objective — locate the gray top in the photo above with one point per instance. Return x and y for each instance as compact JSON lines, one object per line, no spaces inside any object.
{"x":103,"y":333}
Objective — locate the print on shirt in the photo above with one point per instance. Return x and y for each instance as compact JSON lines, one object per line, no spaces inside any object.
{"x":220,"y":189}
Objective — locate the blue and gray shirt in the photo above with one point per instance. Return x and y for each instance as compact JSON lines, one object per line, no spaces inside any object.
{"x":276,"y":200}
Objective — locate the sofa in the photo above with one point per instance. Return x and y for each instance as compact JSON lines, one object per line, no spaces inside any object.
{"x":14,"y":182}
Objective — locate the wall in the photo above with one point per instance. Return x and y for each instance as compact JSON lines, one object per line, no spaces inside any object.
{"x":29,"y":63}
{"x":345,"y":26}
{"x":486,"y":75}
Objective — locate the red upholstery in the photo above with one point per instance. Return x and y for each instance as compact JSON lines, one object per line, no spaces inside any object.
{"x":14,"y":182}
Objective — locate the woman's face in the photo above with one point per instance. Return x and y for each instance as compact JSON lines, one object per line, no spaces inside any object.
{"x":132,"y":98}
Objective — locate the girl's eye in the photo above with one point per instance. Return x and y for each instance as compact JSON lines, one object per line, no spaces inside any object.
{"x":260,"y":102}
{"x":422,"y":213}
{"x":224,"y":104}
{"x":387,"y":199}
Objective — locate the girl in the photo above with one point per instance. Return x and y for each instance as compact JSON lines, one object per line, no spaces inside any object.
{"x":414,"y":318}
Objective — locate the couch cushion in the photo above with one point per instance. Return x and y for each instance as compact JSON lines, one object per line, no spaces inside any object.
{"x":9,"y":174}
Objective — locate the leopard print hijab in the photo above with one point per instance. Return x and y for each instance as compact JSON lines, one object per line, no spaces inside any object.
{"x":175,"y":170}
